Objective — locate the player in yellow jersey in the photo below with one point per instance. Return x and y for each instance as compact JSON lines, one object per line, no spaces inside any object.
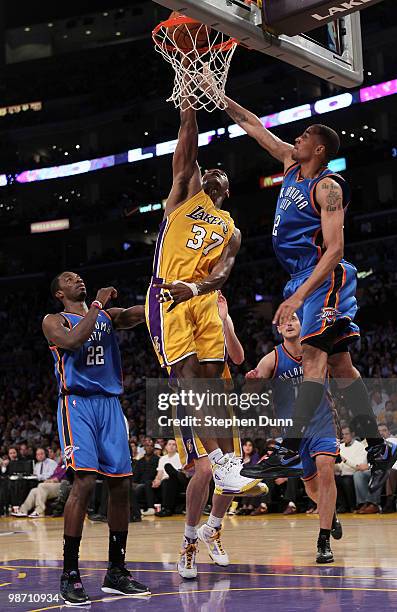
{"x":195,"y":252}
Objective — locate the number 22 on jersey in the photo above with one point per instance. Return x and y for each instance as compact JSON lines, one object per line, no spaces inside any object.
{"x":95,"y":356}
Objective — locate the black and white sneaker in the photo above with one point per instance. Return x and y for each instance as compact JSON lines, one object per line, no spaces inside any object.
{"x":324,"y":552}
{"x":120,"y":582}
{"x":336,"y":529}
{"x":283,"y":463}
{"x":381,"y":459}
{"x":72,"y":590}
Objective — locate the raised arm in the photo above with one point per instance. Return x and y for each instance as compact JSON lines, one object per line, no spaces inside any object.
{"x":126,"y":318}
{"x":180,"y":291}
{"x":253,"y":126}
{"x":186,"y":173}
{"x":330,"y":199}
{"x":233,"y":344}
{"x":57,"y":333}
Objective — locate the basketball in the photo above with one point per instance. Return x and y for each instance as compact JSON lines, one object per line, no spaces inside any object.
{"x":187,"y":36}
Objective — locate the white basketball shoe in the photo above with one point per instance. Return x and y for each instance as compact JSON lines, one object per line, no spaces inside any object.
{"x":211,"y":537}
{"x":227,"y":478}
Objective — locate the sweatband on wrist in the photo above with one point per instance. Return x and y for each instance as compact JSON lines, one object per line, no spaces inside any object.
{"x":192,"y":286}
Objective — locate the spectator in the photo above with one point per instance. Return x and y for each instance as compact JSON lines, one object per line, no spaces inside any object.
{"x":44,"y":467}
{"x":12,"y":455}
{"x":389,"y":409}
{"x":52,"y":454}
{"x":351,"y":452}
{"x":391,"y":483}
{"x":354,"y":459}
{"x":378,"y":400}
{"x":134,"y":453}
{"x":158,"y":450}
{"x":145,"y":473}
{"x":25,"y":452}
{"x":250,"y":457}
{"x":162,"y":443}
{"x":367,"y":503}
{"x":35,"y":503}
{"x":46,"y":424}
{"x":168,"y":488}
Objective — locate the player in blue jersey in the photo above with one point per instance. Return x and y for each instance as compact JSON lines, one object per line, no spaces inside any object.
{"x":308,"y":240}
{"x":320,"y":447}
{"x":92,"y":427}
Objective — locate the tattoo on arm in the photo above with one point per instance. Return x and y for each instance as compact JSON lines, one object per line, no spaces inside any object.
{"x":238,"y":116}
{"x":333,"y":199}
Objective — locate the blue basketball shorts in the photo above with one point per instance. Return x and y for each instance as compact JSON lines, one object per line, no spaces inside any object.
{"x":311,"y":447}
{"x":94,"y":434}
{"x":327,"y":314}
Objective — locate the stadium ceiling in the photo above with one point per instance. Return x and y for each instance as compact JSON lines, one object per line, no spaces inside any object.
{"x":28,"y":13}
{"x":37,"y":32}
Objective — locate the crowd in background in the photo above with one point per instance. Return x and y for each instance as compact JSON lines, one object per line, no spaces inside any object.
{"x":27,"y":384}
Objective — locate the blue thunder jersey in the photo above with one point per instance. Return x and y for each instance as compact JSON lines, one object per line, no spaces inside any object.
{"x":287,"y":376}
{"x":297,"y":237}
{"x":95,"y":368}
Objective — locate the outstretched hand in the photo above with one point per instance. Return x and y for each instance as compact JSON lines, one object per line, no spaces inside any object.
{"x":222,"y":306}
{"x":253,"y":373}
{"x":176,"y":292}
{"x":286,"y":310}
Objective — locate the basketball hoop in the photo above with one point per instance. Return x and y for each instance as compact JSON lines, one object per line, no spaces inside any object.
{"x":204,"y":53}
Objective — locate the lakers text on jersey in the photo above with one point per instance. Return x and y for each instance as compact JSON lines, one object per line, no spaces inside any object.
{"x":190,"y":242}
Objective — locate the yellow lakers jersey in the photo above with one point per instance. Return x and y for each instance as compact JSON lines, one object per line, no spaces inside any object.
{"x":191,"y":240}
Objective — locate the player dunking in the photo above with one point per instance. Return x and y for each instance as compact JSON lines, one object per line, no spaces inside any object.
{"x":195,"y":252}
{"x":92,"y":427}
{"x":309,"y":243}
{"x":320,"y":446}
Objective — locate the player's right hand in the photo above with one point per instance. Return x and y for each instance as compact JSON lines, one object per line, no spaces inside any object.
{"x":253,"y":373}
{"x":106,"y":294}
{"x":222,"y":306}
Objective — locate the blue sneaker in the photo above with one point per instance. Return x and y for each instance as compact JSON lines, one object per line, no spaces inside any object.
{"x":283,"y":463}
{"x":381,"y":458}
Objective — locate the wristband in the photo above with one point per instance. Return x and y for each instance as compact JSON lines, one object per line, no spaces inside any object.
{"x":97,"y":304}
{"x":191,"y":286}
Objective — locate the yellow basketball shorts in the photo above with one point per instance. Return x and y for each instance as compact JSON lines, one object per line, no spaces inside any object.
{"x":192,"y":327}
{"x":190,"y":446}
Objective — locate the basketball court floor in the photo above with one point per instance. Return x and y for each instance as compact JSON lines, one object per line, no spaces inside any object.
{"x":272,"y":566}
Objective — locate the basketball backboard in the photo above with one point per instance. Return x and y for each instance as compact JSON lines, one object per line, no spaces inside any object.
{"x":335,"y":57}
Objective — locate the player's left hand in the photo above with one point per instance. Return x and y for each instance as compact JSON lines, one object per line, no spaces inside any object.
{"x":286,"y":309}
{"x":177,"y":292}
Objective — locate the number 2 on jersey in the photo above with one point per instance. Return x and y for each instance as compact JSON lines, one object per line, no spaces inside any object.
{"x":276,"y":224}
{"x":95,"y":355}
{"x":199,"y":236}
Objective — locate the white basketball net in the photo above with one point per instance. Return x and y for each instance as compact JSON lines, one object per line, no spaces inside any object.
{"x":200,"y":73}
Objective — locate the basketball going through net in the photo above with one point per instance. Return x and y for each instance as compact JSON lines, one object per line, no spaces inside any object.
{"x":195,"y":51}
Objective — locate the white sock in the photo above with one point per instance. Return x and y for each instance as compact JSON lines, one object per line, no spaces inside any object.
{"x":214,"y":521}
{"x":191,"y":532}
{"x":291,"y":504}
{"x":215,"y":456}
